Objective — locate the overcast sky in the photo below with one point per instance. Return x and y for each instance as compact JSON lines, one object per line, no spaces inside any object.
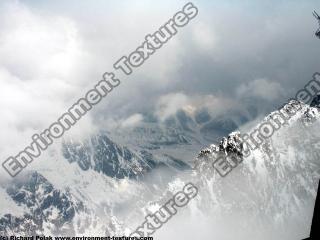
{"x":234,"y":54}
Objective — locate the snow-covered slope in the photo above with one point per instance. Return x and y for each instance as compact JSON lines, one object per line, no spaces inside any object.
{"x":103,"y":155}
{"x":105,"y":185}
{"x":273,"y":188}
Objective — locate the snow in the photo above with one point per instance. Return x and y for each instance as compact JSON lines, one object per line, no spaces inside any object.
{"x":8,"y":206}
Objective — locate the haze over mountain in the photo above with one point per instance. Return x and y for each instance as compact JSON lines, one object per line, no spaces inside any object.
{"x":102,"y":186}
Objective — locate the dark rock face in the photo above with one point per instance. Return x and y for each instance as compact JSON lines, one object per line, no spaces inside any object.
{"x":44,"y":203}
{"x":316,"y":102}
{"x":202,"y":117}
{"x":103,"y":155}
{"x":231,"y":145}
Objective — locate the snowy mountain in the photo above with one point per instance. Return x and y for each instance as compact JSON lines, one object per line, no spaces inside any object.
{"x":103,"y":155}
{"x":274,"y":187}
{"x":85,"y":197}
{"x":181,"y":135}
{"x":106,"y":184}
{"x":45,"y":206}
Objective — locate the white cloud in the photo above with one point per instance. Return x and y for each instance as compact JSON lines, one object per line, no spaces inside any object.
{"x":40,"y":74}
{"x":38,"y":46}
{"x":169,"y":104}
{"x":261,"y":88}
{"x":132,"y":121}
{"x":52,"y":53}
{"x":203,"y":35}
